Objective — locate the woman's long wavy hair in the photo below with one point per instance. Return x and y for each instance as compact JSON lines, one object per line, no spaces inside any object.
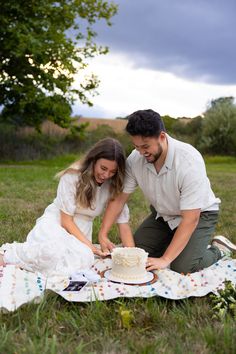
{"x":109,"y":149}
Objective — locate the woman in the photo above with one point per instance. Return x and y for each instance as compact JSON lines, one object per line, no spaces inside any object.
{"x":61,"y":240}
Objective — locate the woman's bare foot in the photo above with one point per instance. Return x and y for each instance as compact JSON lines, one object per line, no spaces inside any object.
{"x":2,"y":263}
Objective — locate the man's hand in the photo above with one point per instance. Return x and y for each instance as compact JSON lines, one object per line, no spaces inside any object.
{"x":157,"y":263}
{"x":106,"y":245}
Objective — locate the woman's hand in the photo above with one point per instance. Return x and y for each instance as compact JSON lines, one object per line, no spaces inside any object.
{"x":99,"y":253}
{"x":2,"y":263}
{"x":106,"y":245}
{"x":157,"y":263}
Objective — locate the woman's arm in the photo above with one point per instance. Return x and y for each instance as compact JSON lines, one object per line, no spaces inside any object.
{"x":113,"y":210}
{"x":69,"y":225}
{"x":126,"y":235}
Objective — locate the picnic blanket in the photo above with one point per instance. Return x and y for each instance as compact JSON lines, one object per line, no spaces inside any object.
{"x":18,"y":286}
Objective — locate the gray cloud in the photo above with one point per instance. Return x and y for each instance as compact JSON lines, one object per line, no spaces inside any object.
{"x":192,"y":39}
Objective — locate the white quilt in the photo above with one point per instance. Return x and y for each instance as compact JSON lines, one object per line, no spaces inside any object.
{"x":18,"y":286}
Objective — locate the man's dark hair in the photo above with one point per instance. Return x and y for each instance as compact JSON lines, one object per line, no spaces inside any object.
{"x":145,"y":123}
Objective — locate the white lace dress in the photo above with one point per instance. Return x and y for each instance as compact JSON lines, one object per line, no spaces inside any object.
{"x":49,"y":248}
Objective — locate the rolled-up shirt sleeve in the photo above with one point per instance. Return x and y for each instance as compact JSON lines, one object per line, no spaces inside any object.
{"x":123,"y":218}
{"x":130,"y":182}
{"x":194,"y":190}
{"x":66,"y":193}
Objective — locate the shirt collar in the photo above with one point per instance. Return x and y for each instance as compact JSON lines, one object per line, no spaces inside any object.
{"x":170,"y":153}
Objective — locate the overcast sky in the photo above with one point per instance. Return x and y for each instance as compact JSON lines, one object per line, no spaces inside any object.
{"x":173,"y":56}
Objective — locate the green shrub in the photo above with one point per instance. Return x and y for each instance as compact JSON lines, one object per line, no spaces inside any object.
{"x":219,"y":128}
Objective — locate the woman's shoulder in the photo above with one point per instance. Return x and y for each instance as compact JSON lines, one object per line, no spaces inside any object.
{"x":70,"y":176}
{"x":73,"y":169}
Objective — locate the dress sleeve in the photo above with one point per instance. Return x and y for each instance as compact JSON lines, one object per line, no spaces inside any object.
{"x":66,"y":193}
{"x":123,"y":218}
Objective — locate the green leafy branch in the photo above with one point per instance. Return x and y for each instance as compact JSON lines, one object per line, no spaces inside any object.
{"x":225,"y":301}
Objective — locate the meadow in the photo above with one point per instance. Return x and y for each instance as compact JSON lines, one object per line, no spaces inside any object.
{"x":159,"y":325}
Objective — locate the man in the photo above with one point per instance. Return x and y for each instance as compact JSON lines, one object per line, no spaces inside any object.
{"x":184,"y":209}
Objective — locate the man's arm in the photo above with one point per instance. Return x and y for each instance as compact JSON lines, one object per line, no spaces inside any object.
{"x":112,"y":211}
{"x":126,"y":235}
{"x":181,"y":237}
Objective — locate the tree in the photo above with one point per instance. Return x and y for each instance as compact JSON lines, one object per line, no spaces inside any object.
{"x":43,"y":44}
{"x":169,"y":123}
{"x":219,"y":127}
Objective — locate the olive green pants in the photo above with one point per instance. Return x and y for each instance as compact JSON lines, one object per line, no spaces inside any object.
{"x":154,"y":236}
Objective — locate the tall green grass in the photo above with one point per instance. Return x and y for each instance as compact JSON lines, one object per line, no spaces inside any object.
{"x":158,"y":326}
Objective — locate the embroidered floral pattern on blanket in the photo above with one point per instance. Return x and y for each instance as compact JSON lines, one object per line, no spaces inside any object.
{"x":18,"y":286}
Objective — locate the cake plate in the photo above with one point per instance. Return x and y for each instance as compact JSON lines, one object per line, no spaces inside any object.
{"x":149,"y":279}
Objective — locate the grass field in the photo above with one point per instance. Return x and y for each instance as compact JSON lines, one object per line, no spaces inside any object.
{"x":57,"y":326}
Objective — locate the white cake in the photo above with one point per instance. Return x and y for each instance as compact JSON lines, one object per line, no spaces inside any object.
{"x":129,"y":265}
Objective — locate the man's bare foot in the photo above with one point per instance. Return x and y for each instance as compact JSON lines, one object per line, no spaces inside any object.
{"x":2,"y":263}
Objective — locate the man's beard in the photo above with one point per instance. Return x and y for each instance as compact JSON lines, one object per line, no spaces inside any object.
{"x":156,"y":156}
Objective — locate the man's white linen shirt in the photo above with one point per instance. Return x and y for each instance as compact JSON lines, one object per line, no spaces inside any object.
{"x":181,"y":184}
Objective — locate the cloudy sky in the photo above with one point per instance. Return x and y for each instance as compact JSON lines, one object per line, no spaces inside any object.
{"x":173,"y":56}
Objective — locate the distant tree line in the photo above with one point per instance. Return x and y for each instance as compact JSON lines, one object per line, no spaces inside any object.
{"x":43,"y":44}
{"x":214,"y":132}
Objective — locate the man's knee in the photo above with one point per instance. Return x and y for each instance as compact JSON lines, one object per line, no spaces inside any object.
{"x":142,"y":242}
{"x":137,"y":238}
{"x":139,"y":241}
{"x":183,"y":266}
